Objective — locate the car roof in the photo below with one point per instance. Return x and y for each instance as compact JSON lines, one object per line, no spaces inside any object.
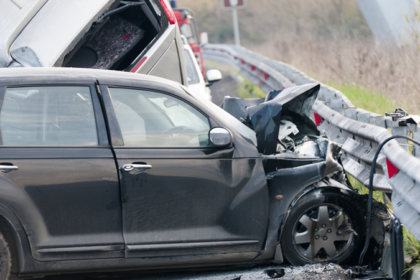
{"x":17,"y":76}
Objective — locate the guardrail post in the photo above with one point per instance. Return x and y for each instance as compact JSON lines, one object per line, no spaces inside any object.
{"x":403,"y":131}
{"x":337,"y":105}
{"x":416,"y":137}
{"x":363,"y":116}
{"x":351,"y":113}
{"x":377,"y":120}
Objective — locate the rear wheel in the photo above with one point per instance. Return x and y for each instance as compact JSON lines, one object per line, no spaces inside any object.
{"x":325,"y":226}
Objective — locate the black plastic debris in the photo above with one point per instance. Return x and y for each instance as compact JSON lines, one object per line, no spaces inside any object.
{"x":357,"y":272}
{"x":275,"y":273}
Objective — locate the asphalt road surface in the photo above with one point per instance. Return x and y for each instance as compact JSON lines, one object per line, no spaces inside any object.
{"x":226,"y":86}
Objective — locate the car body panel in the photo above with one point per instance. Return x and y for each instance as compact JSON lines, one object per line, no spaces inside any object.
{"x":49,"y":34}
{"x":13,"y":18}
{"x":225,"y":187}
{"x":210,"y":205}
{"x":163,"y":67}
{"x":164,"y":58}
{"x":81,"y":214}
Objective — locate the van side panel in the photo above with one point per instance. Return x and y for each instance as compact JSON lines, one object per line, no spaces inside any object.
{"x":168,"y":65}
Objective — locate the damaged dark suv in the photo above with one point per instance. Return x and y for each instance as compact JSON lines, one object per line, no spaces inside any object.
{"x":112,"y":171}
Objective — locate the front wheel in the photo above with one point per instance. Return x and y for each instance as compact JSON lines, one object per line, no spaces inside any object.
{"x":323,"y":226}
{"x":5,"y":260}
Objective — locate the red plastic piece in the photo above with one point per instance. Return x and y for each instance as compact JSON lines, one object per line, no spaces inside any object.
{"x":392,"y":169}
{"x":139,"y":64}
{"x":318,"y":119}
{"x":252,"y":67}
{"x":168,"y":10}
{"x":243,"y":62}
{"x":265,"y":76}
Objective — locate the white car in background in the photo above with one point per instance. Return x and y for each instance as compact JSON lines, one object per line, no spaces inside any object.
{"x":196,"y":81}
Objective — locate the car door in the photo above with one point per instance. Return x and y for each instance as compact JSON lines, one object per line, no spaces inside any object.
{"x":182,"y":196}
{"x":58,"y":173}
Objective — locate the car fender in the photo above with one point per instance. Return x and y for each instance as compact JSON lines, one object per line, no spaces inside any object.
{"x":290,"y":183}
{"x":20,"y":238}
{"x":22,"y":214}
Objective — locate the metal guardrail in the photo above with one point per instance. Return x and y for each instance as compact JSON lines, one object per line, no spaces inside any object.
{"x":359,"y":131}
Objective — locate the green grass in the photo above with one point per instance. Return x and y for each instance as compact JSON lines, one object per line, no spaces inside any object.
{"x":246,"y":89}
{"x":411,"y":246}
{"x":361,"y":189}
{"x":366,"y":99}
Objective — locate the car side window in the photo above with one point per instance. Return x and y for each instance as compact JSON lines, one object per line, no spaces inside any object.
{"x":152,"y":119}
{"x":48,"y":116}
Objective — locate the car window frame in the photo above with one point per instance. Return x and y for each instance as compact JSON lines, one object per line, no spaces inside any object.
{"x":190,"y":60}
{"x":100,"y":125}
{"x":115,"y":131}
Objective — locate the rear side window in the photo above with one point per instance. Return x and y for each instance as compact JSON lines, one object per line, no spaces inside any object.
{"x":48,"y":116}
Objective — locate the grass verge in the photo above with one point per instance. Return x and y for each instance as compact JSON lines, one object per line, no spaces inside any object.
{"x":361,"y":189}
{"x":366,"y":99}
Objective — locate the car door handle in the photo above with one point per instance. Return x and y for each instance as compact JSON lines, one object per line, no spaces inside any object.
{"x":8,"y":167}
{"x":130,"y":167}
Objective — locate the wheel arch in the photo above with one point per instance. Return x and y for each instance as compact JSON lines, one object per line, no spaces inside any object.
{"x":15,"y":236}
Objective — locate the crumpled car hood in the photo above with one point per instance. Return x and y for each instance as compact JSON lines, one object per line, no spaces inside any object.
{"x":264,"y":115}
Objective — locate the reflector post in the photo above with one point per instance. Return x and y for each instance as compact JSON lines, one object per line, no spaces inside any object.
{"x":392,"y":169}
{"x":318,"y":119}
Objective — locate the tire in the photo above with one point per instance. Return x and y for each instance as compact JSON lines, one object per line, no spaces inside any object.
{"x":5,"y":260}
{"x":310,"y":232}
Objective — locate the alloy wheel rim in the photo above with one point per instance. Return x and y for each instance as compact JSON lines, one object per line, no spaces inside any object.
{"x":322,"y":233}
